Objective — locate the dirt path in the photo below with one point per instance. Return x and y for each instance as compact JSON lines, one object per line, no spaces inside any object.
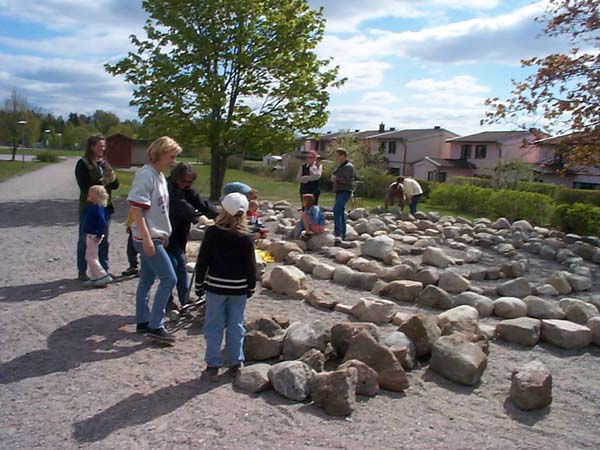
{"x":74,"y":375}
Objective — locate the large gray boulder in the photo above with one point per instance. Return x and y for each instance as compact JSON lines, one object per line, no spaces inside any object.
{"x":565,"y":334}
{"x":404,"y":290}
{"x":435,"y":297}
{"x":519,"y":287}
{"x":289,"y":280}
{"x":374,"y":310}
{"x":543,"y":309}
{"x":365,"y":348}
{"x":458,"y":360}
{"x":427,"y":276}
{"x":343,"y":275}
{"x":318,"y":241}
{"x":577,"y":310}
{"x":594,"y":326}
{"x":437,"y":257}
{"x":531,"y":386}
{"x":560,"y":282}
{"x":323,"y":271}
{"x":423,"y":331}
{"x":319,"y":298}
{"x":481,"y":303}
{"x":307,"y":263}
{"x":301,"y":337}
{"x":378,"y":247}
{"x":279,"y":250}
{"x":335,"y":392}
{"x":402,"y":347}
{"x":578,"y":282}
{"x":291,"y":379}
{"x":522,"y":331}
{"x":509,"y":307}
{"x":341,"y":334}
{"x":452,"y":282}
{"x":254,"y":378}
{"x":463,"y":313}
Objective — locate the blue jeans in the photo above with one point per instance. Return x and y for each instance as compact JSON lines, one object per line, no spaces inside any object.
{"x":339,"y":214}
{"x":159,"y":265}
{"x":413,"y":203}
{"x":178,"y":260}
{"x":102,"y":249}
{"x":224,"y":311}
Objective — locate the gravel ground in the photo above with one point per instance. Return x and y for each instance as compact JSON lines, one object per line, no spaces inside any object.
{"x":73,"y":374}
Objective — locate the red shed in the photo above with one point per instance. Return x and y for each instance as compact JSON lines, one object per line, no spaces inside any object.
{"x":123,"y":151}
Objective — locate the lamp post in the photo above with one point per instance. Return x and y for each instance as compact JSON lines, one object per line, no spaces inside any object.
{"x":22,"y":123}
{"x":47,"y":133}
{"x":59,"y":140}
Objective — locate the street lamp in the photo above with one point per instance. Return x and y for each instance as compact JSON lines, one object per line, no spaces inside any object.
{"x":22,"y":123}
{"x":47,"y":133}
{"x":59,"y":140}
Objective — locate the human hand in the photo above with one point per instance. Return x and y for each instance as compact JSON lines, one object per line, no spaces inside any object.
{"x":148,"y":247}
{"x":333,"y":178}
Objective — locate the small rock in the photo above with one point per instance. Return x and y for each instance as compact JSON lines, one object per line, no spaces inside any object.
{"x":335,"y":392}
{"x":531,"y":386}
{"x":290,"y":379}
{"x":253,"y":379}
{"x":522,"y":331}
{"x":565,"y":334}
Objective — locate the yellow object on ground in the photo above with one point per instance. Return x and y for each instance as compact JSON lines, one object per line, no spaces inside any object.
{"x":265,"y":255}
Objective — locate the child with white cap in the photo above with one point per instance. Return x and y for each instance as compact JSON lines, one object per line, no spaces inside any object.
{"x":226,"y":271}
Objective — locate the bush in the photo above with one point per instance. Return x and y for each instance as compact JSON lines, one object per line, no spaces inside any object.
{"x":539,"y":188}
{"x":572,"y":196}
{"x":577,"y":218}
{"x":475,"y":181}
{"x":235,"y":162}
{"x":47,"y":156}
{"x":427,"y":187}
{"x":513,"y":205}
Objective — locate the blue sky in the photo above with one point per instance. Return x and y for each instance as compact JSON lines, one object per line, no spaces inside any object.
{"x":409,"y":63}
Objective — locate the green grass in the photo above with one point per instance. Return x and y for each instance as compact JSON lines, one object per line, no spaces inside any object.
{"x":9,"y":169}
{"x":269,"y":189}
{"x":37,"y":151}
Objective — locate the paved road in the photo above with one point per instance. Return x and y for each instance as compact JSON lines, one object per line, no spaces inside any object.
{"x":4,"y":157}
{"x":52,"y":182}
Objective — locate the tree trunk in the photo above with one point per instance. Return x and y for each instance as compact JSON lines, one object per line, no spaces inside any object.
{"x":14,"y":153}
{"x":218,"y":165}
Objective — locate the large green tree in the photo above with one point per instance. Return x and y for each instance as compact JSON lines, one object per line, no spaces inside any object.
{"x":228,"y":73}
{"x":14,"y":110}
{"x":565,"y":87}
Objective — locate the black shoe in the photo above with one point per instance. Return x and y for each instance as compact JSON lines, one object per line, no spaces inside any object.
{"x":234,"y":370}
{"x":82,"y":276}
{"x":161,"y":335}
{"x":141,"y":327}
{"x":211,"y":373}
{"x":131,"y":271}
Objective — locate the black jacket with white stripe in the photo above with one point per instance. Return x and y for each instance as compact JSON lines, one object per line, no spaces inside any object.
{"x":226,"y":263}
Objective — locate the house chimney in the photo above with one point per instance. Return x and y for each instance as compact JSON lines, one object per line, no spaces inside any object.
{"x":437,"y":127}
{"x":392,"y":128}
{"x":329,"y":132}
{"x":357,"y":130}
{"x":381,"y":127}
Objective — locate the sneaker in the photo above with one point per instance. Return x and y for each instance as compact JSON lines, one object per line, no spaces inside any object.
{"x":234,"y":370}
{"x":161,"y":335}
{"x":337,"y":241}
{"x":101,"y":282}
{"x":88,"y":284}
{"x":141,"y":327}
{"x":211,"y":373}
{"x":131,"y":271}
{"x":82,"y":276}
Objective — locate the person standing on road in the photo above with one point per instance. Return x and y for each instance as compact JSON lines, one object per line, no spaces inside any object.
{"x":185,"y":206}
{"x":413,"y":192}
{"x":309,"y":175}
{"x":343,"y":185}
{"x":93,"y":170}
{"x":151,"y":228}
{"x":226,"y":273}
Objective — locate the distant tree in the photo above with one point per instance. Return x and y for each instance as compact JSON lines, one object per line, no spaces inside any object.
{"x":508,"y":174}
{"x":104,"y":121}
{"x":211,"y":72}
{"x":565,"y":89}
{"x":14,"y":110}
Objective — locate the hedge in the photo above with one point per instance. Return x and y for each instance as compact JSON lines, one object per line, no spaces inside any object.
{"x":514,"y":205}
{"x":475,"y":181}
{"x":47,"y":156}
{"x":577,"y":218}
{"x":572,"y":196}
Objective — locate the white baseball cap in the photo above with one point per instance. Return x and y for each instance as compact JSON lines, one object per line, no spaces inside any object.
{"x":234,"y":203}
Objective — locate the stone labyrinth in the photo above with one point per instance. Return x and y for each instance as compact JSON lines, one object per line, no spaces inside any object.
{"x":537,"y":284}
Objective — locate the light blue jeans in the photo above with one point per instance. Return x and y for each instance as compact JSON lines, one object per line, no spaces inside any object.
{"x":178,"y":260}
{"x":224,"y":311}
{"x":159,"y":265}
{"x":339,"y":214}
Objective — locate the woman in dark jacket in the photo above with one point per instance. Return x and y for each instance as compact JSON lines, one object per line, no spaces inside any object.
{"x":185,"y":206}
{"x":92,"y":170}
{"x":226,"y":270}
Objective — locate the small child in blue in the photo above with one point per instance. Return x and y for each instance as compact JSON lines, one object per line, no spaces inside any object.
{"x":94,"y":227}
{"x":312,"y":221}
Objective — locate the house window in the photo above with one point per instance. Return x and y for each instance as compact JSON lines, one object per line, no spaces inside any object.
{"x":394,"y":170}
{"x":442,"y":177}
{"x":392,"y":147}
{"x":465,"y":151}
{"x":430,"y":176}
{"x":382,"y":147}
{"x":480,"y":151}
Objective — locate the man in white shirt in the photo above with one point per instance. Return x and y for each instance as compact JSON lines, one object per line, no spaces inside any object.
{"x":412,"y":191}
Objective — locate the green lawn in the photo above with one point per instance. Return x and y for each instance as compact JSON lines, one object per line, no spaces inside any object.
{"x":10,"y":169}
{"x":37,"y":151}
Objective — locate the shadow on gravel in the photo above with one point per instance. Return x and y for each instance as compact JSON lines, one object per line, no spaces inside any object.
{"x":431,"y":376}
{"x":39,"y":292}
{"x":41,"y":213}
{"x":92,"y":338}
{"x":138,"y":409}
{"x":528,"y":418}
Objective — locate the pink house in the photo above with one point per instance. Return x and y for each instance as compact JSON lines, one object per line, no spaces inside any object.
{"x":404,"y":148}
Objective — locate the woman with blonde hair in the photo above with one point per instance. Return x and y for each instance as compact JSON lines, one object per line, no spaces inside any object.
{"x":150,"y":231}
{"x":94,"y":226}
{"x":226,"y":271}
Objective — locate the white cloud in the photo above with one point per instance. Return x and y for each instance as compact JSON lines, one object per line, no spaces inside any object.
{"x":379,"y":97}
{"x":460,"y":84}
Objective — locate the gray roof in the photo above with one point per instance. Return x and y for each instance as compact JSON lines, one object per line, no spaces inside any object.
{"x":454,"y":163}
{"x":409,"y":135}
{"x":490,"y":136}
